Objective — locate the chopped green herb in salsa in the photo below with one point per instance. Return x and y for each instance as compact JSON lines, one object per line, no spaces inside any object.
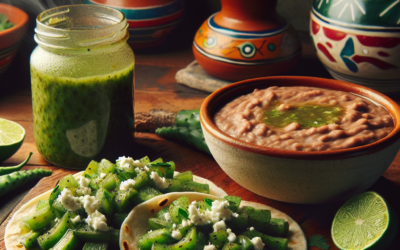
{"x":307,"y":115}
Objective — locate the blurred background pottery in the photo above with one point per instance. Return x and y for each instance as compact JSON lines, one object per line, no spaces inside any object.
{"x":150,"y":21}
{"x":359,"y":41}
{"x":246,"y":39}
{"x":299,"y":176}
{"x":10,"y":39}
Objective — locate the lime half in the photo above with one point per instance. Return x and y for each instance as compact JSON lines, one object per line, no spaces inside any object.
{"x":364,"y":222}
{"x":11,"y":137}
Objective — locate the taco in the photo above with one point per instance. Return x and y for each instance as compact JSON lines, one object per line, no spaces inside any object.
{"x":16,"y":227}
{"x":137,"y":222}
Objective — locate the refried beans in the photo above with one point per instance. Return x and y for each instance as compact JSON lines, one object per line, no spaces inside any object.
{"x":362,"y":122}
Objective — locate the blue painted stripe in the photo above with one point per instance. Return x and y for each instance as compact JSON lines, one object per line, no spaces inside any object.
{"x":152,"y":12}
{"x":246,"y":34}
{"x":354,"y":26}
{"x":246,"y":63}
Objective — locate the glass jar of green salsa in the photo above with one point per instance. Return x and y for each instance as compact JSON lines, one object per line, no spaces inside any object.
{"x":82,"y":74}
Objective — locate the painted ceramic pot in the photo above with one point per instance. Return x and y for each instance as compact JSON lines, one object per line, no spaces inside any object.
{"x":10,"y":39}
{"x":150,"y":21}
{"x":359,"y":41}
{"x":246,"y":39}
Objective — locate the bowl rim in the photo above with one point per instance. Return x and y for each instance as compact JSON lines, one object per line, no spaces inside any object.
{"x":227,"y":93}
{"x":21,"y":21}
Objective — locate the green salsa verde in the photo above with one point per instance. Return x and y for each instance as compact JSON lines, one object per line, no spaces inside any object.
{"x":307,"y":115}
{"x":80,"y":119}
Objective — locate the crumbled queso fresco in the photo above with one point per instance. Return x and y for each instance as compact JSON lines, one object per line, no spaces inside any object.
{"x":232,"y":237}
{"x":125,"y":185}
{"x":84,"y":183}
{"x":176,"y":234}
{"x":160,"y":182}
{"x":209,"y":247}
{"x":219,"y":211}
{"x":95,"y":219}
{"x":98,"y":221}
{"x":219,"y":214}
{"x":219,"y":225}
{"x":68,"y":200}
{"x":167,"y":217}
{"x":257,"y":242}
{"x":186,"y":223}
{"x":126,"y":162}
{"x":89,"y":203}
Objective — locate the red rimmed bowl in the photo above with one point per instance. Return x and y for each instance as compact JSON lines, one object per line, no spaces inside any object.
{"x":10,"y":39}
{"x":299,"y":176}
{"x":150,"y":21}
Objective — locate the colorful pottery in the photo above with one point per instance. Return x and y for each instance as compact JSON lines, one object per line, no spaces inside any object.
{"x":149,"y":20}
{"x":246,"y":39}
{"x":359,"y":41}
{"x":10,"y":39}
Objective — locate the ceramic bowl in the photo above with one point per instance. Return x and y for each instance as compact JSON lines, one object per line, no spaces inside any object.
{"x":10,"y":39}
{"x":150,"y":21}
{"x":299,"y":176}
{"x":359,"y":41}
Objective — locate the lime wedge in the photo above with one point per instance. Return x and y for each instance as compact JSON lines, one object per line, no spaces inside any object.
{"x":364,"y":222}
{"x":11,"y":137}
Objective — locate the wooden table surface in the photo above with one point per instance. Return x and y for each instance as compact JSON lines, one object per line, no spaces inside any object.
{"x":156,"y":88}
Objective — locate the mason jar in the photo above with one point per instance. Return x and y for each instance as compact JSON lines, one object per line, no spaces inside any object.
{"x":82,"y":75}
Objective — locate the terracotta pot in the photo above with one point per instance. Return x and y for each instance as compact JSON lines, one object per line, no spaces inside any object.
{"x":150,"y":21}
{"x":246,"y":39}
{"x":10,"y":39}
{"x":359,"y":41}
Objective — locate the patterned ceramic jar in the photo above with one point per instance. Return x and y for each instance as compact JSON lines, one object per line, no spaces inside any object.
{"x":149,"y":20}
{"x":246,"y":39}
{"x":359,"y":41}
